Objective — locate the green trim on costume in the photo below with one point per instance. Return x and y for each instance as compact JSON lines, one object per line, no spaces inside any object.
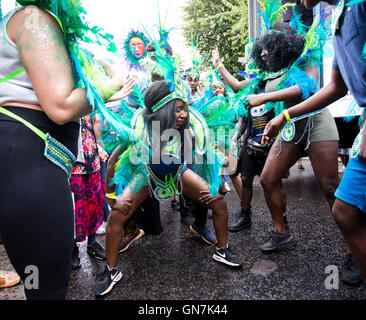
{"x":54,"y":150}
{"x":273,"y":75}
{"x":12,"y":75}
{"x":200,"y":130}
{"x":173,"y":96}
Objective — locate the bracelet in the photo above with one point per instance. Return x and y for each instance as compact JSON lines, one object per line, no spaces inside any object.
{"x":111,"y":195}
{"x":220,"y":64}
{"x":287,"y":116}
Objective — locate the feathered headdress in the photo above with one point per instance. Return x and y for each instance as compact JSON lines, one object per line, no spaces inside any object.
{"x":161,"y":62}
{"x":197,"y":60}
{"x":271,"y":12}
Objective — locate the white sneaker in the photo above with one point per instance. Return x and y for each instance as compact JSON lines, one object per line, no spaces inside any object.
{"x":101,"y":229}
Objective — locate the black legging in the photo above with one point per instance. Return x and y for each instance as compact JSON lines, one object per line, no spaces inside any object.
{"x":36,"y":209}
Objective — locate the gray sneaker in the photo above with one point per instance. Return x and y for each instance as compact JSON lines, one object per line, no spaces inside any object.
{"x":275,"y":241}
{"x":350,"y":272}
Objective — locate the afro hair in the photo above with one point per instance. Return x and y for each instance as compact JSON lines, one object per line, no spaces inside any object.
{"x":283,"y":44}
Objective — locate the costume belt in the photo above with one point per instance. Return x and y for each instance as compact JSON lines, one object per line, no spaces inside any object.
{"x":54,"y":150}
{"x":165,"y":190}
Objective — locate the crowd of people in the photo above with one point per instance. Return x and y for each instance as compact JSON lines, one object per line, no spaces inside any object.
{"x":117,"y":144}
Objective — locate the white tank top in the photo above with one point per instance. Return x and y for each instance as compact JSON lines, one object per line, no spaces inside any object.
{"x":18,"y":88}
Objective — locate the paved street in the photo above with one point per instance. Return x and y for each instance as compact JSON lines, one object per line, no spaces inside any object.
{"x":177,"y":265}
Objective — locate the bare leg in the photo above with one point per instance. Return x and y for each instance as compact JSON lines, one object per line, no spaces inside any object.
{"x":116,"y":221}
{"x":352,"y":223}
{"x":235,"y":179}
{"x":192,"y":187}
{"x":238,"y":186}
{"x":130,"y":226}
{"x":247,"y":191}
{"x":273,"y":171}
{"x":324,"y":159}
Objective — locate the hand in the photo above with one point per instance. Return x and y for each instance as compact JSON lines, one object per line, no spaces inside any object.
{"x":115,"y":82}
{"x":215,"y":56}
{"x":125,"y":91}
{"x":123,"y":205}
{"x":103,"y":155}
{"x":255,"y":100}
{"x":208,"y":198}
{"x":272,"y":128}
{"x":362,"y":153}
{"x":111,"y":70}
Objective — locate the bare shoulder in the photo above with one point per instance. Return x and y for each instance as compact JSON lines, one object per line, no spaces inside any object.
{"x":31,"y":19}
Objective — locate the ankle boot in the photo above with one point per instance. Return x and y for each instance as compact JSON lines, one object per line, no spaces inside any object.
{"x":243,"y":222}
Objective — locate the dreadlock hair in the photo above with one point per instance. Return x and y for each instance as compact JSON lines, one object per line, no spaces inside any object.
{"x":283,"y":44}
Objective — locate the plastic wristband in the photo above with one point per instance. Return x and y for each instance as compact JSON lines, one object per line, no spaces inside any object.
{"x":287,"y":116}
{"x":111,"y":195}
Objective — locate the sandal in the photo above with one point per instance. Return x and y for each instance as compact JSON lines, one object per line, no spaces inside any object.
{"x":8,"y":279}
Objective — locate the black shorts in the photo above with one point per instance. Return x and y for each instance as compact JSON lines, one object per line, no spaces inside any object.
{"x":347,"y":131}
{"x":250,"y":165}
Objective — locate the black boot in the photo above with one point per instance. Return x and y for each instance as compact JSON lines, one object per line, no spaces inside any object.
{"x":187,"y":207}
{"x":75,"y":260}
{"x":186,"y":216}
{"x":243,"y":222}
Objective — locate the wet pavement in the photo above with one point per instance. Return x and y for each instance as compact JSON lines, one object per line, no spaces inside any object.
{"x":177,"y":265}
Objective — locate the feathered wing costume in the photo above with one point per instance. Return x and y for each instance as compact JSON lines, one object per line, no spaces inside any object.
{"x":220,"y":114}
{"x":294,"y":73}
{"x":132,"y":169}
{"x":315,"y":37}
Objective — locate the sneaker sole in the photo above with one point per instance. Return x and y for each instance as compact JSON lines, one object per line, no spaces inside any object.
{"x":202,"y":237}
{"x":219,"y":259}
{"x":109,"y":289}
{"x":280,"y":244}
{"x":141,"y":234}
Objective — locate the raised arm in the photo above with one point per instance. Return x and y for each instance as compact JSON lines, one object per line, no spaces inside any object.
{"x":233,"y":83}
{"x":40,"y":43}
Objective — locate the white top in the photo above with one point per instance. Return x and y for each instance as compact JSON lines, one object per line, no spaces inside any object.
{"x":18,"y":88}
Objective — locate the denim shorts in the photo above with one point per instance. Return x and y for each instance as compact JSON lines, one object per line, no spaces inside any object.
{"x":352,"y":188}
